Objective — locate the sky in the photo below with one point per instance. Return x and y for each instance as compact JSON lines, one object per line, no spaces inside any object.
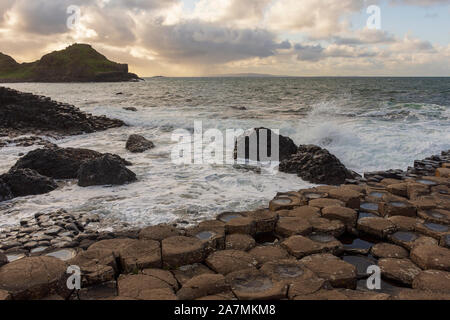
{"x":211,"y":37}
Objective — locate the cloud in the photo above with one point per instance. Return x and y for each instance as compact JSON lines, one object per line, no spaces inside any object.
{"x":195,"y":41}
{"x":317,"y":52}
{"x":365,"y":36}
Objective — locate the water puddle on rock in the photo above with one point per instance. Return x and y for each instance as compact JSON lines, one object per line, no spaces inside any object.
{"x":15,"y":256}
{"x":366,"y":215}
{"x":322,"y":238}
{"x":397,"y":204}
{"x":369,"y":206}
{"x":253,"y":284}
{"x":228,"y":216}
{"x":205,"y":235}
{"x":405,"y":236}
{"x":313,"y":195}
{"x":64,"y":254}
{"x":427,"y":182}
{"x":282,"y":201}
{"x":289,"y":271}
{"x":377,"y":194}
{"x":361,"y":262}
{"x":38,"y":249}
{"x":436,"y":227}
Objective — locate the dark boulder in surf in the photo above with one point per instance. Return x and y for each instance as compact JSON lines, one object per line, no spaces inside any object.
{"x":287,"y":147}
{"x":5,"y":191}
{"x":316,"y":165}
{"x":60,"y":163}
{"x":26,"y":182}
{"x":138,"y":144}
{"x":106,"y":170}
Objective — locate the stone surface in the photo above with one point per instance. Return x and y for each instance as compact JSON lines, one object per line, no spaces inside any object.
{"x":289,"y":226}
{"x":347,"y":216}
{"x":322,"y":203}
{"x":4,"y":295}
{"x":140,"y":254}
{"x":339,"y":273}
{"x":378,"y":227}
{"x":242,"y":242}
{"x":397,"y":207}
{"x":203,"y":285}
{"x":401,"y":270}
{"x":26,"y":182}
{"x":227,"y":261}
{"x":388,"y":250}
{"x":163,"y":275}
{"x":3,"y":259}
{"x":434,"y":280}
{"x":251,"y":284}
{"x":263,"y":254}
{"x":138,"y":144}
{"x":96,"y":265}
{"x":300,"y":246}
{"x":333,"y":227}
{"x":185,"y":273}
{"x":410,"y":294}
{"x":404,"y":223}
{"x":33,"y":277}
{"x":243,"y":225}
{"x":106,"y":170}
{"x":242,"y":146}
{"x":158,"y":232}
{"x":429,"y":256}
{"x":288,"y":271}
{"x":265,"y":220}
{"x":305,"y":212}
{"x":316,"y":165}
{"x":350,"y":197}
{"x":179,"y":251}
{"x":143,"y":287}
{"x":59,"y":163}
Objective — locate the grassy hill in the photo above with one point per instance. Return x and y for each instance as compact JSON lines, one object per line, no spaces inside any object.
{"x":76,"y":63}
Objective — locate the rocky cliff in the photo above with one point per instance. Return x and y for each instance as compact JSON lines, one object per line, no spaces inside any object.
{"x":76,"y":63}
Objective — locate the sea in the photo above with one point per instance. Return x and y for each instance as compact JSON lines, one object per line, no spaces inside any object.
{"x":368,"y":123}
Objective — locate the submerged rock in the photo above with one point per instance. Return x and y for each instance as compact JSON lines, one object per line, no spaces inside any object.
{"x":60,"y":163}
{"x":26,"y":182}
{"x":316,"y":165}
{"x":287,"y":147}
{"x":106,"y":170}
{"x":138,"y":144}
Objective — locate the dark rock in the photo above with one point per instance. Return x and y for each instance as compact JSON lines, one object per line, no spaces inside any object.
{"x":316,"y":165}
{"x":107,"y":170}
{"x":138,"y":144}
{"x":5,"y":191}
{"x":287,"y":147}
{"x":59,"y":163}
{"x":25,"y":182}
{"x":3,"y":259}
{"x":130,"y":109}
{"x":25,"y":112}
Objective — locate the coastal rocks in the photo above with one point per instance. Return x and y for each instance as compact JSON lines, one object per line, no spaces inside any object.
{"x":144,"y":287}
{"x":238,"y":241}
{"x":107,"y":170}
{"x":401,"y":270}
{"x":25,"y":182}
{"x":180,"y":251}
{"x":138,"y":144}
{"x":388,"y":250}
{"x":300,"y":246}
{"x":28,"y":113}
{"x":289,"y":226}
{"x":96,"y":265}
{"x":428,"y":256}
{"x":316,"y":165}
{"x":3,"y":259}
{"x":378,"y":227}
{"x":33,"y":278}
{"x":158,"y":232}
{"x":347,"y":216}
{"x":433,"y":280}
{"x":5,"y":191}
{"x":202,"y":286}
{"x":242,"y":146}
{"x":339,"y":273}
{"x":227,"y":261}
{"x":59,"y":163}
{"x":252,"y":284}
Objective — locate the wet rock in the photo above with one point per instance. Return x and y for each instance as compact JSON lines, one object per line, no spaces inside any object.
{"x":289,"y":226}
{"x":286,"y":202}
{"x":203,"y":285}
{"x":242,"y":242}
{"x":179,"y":251}
{"x":288,"y":271}
{"x":252,"y":284}
{"x":107,"y":170}
{"x":397,"y":208}
{"x":243,"y":225}
{"x":429,"y":256}
{"x":143,"y":287}
{"x":185,"y":273}
{"x":26,"y":182}
{"x":339,"y":273}
{"x":212,"y":232}
{"x":265,"y":220}
{"x":130,"y":109}
{"x":5,"y":191}
{"x":387,"y":250}
{"x":138,"y":144}
{"x":242,"y":146}
{"x":300,"y":246}
{"x":445,"y":241}
{"x":433,"y":280}
{"x":435,"y":230}
{"x":401,"y":270}
{"x":327,"y":243}
{"x":346,"y":215}
{"x":59,"y":163}
{"x":163,"y":275}
{"x":3,"y":259}
{"x":4,"y":295}
{"x":25,"y":113}
{"x":435,"y":215}
{"x":378,"y":227}
{"x":350,"y":197}
{"x":33,"y":277}
{"x":263,"y":254}
{"x":331,"y":227}
{"x":97,"y":266}
{"x":316,"y":165}
{"x":158,"y":232}
{"x":227,"y":261}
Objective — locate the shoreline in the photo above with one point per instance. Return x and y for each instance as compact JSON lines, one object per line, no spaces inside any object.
{"x":405,"y":215}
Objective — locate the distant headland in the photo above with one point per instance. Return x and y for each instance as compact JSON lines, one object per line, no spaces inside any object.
{"x":76,"y":63}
